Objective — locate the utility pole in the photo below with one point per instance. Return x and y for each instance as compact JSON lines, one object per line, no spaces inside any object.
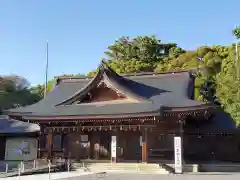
{"x":46,"y":72}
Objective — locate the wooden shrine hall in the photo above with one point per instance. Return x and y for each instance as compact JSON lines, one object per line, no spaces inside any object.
{"x":115,"y":117}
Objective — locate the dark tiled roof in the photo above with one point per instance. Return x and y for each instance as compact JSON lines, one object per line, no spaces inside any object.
{"x":12,"y":126}
{"x":156,"y":91}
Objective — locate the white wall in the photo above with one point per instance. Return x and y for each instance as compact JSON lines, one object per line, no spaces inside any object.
{"x":24,"y":148}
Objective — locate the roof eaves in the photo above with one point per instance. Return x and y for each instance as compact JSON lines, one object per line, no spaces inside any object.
{"x":189,"y":108}
{"x":92,"y":117}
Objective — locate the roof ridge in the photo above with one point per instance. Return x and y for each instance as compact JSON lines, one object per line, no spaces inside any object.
{"x":191,"y":71}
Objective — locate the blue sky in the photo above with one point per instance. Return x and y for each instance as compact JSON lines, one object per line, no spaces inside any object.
{"x":79,"y":31}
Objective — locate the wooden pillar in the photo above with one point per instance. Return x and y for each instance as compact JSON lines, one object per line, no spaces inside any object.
{"x":65,"y":146}
{"x":49,"y":140}
{"x":145,"y":145}
{"x":40,"y":140}
{"x":182,"y":122}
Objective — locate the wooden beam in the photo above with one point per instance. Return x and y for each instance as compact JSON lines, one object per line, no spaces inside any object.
{"x":79,"y":128}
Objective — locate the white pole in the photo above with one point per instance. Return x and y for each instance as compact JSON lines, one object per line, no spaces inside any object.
{"x":22,"y":166}
{"x":34,"y":163}
{"x":49,"y":170}
{"x":68,"y":165}
{"x":6,"y":168}
{"x":46,"y":72}
{"x":19,"y":172}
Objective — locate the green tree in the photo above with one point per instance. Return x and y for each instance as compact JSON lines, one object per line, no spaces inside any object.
{"x":142,"y":53}
{"x":236,"y":32}
{"x":228,"y":86}
{"x":15,"y":92}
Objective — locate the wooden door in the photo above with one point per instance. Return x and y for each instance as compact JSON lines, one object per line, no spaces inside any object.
{"x":100,"y":143}
{"x":78,"y":146}
{"x":105,"y":144}
{"x":130,"y":145}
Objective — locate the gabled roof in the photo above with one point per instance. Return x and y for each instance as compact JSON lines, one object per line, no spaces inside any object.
{"x":12,"y":126}
{"x":111,"y":79}
{"x":153,"y":92}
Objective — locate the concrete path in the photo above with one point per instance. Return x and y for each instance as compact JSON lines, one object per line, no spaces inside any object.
{"x":58,"y":175}
{"x":134,"y":176}
{"x":79,"y":175}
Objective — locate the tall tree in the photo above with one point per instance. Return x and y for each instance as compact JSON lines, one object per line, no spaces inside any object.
{"x":228,"y":85}
{"x":142,"y":53}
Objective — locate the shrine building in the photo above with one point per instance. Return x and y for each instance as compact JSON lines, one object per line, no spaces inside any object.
{"x":120,"y":117}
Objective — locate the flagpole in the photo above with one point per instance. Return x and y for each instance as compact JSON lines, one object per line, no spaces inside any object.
{"x":46,"y":72}
{"x":237,"y":68}
{"x":236,"y":53}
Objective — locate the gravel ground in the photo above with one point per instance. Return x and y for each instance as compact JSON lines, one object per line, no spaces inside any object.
{"x":132,"y":176}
